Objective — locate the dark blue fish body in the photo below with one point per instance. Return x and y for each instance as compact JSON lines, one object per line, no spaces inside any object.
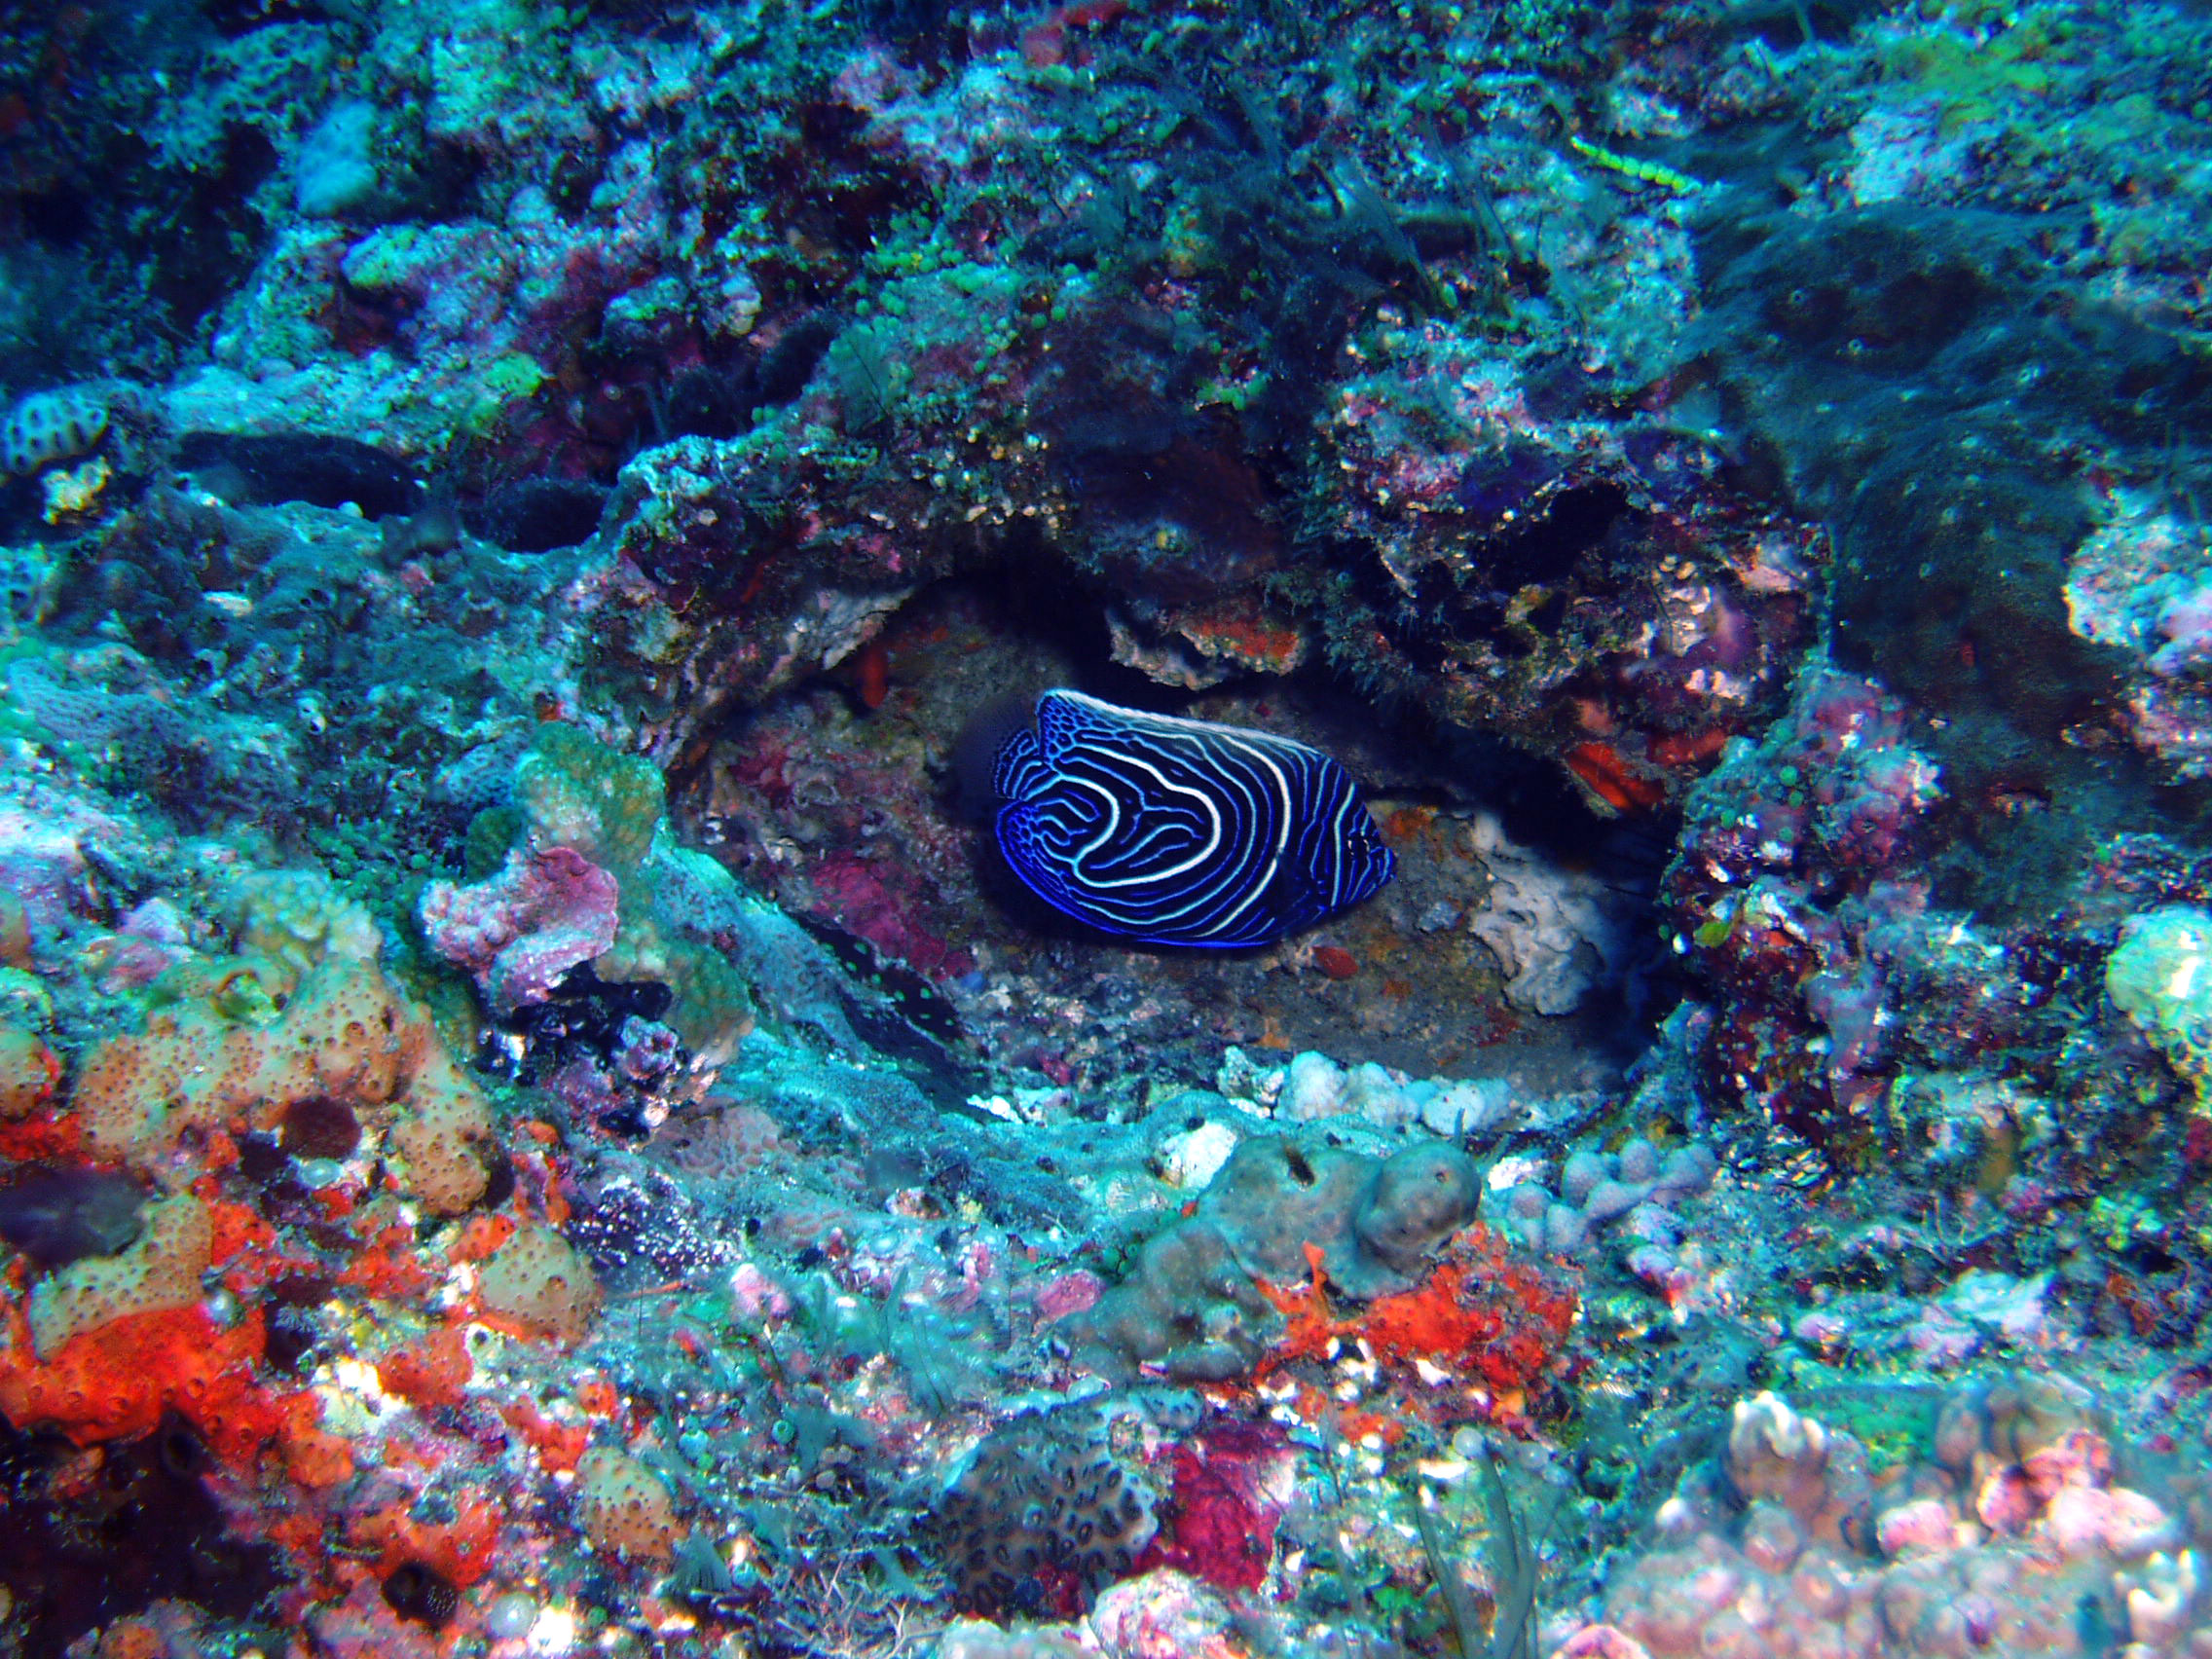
{"x":1175,"y":832}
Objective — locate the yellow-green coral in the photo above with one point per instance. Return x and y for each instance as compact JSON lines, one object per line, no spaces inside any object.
{"x":1628,"y":166}
{"x":297,"y":919}
{"x":2161,"y":978}
{"x":575,"y":792}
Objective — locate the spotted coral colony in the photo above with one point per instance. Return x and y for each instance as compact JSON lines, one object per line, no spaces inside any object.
{"x":550,"y":1103}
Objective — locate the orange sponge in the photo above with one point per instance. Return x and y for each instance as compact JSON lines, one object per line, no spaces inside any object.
{"x":117,"y":1382}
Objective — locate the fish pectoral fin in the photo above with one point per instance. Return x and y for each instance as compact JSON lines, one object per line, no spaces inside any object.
{"x":1291,"y":899}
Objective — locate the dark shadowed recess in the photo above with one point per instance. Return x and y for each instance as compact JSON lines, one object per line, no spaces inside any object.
{"x":234,"y":17}
{"x":1050,"y":631}
{"x":146,"y":1531}
{"x":531,"y":515}
{"x":58,"y":1216}
{"x":323,"y":471}
{"x":1542,"y":810}
{"x":1560,"y":543}
{"x":1921,"y":376}
{"x":536,"y":515}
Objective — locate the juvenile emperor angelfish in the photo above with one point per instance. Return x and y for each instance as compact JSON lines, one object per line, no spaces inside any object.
{"x":1174,"y":832}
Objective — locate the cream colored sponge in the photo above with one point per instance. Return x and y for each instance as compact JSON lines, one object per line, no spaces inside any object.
{"x":625,"y":1509}
{"x":2161,"y":978}
{"x":343,"y":1034}
{"x":162,"y":1271}
{"x":537,"y":1280}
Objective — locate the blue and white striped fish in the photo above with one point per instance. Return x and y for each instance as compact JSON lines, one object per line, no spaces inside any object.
{"x":1174,"y":832}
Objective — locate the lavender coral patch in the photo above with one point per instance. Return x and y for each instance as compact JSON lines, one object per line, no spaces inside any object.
{"x":522,"y":931}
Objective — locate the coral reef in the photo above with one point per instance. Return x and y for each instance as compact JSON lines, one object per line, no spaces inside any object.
{"x":534,"y":1117}
{"x":224,"y":1051}
{"x":624,"y":1506}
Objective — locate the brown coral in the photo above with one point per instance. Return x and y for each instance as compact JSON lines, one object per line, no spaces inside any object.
{"x":1049,"y":1508}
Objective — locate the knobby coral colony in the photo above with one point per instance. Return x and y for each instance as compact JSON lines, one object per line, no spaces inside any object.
{"x":529,"y":1127}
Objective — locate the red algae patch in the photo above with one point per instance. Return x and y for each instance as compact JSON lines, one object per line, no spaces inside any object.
{"x":432,"y":1371}
{"x":1483,"y":1315}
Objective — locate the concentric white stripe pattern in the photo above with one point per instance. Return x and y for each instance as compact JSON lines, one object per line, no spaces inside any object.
{"x":1175,"y":832}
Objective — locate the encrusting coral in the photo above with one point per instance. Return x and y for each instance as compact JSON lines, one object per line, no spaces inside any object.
{"x":245,"y":1040}
{"x":2009,"y":1536}
{"x":1046,"y":1509}
{"x":537,"y":1280}
{"x":161,"y":1272}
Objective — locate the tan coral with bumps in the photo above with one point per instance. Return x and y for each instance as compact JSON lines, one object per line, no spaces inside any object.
{"x":162,"y":1271}
{"x":624,"y":1507}
{"x":28,"y":1072}
{"x":539,"y":1282}
{"x":344,"y":1034}
{"x":445,"y":1138}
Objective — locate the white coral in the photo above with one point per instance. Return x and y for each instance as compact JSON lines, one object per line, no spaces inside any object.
{"x":1557,"y":931}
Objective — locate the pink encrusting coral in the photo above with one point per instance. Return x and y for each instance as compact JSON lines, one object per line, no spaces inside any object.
{"x":522,"y":931}
{"x":2010,"y":1537}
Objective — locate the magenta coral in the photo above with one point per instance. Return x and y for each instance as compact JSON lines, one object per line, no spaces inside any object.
{"x":522,"y":931}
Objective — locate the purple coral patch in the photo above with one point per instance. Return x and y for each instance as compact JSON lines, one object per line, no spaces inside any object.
{"x":522,"y":931}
